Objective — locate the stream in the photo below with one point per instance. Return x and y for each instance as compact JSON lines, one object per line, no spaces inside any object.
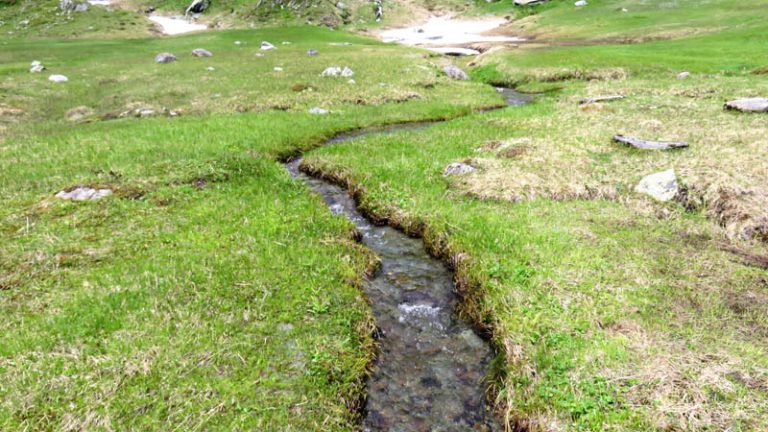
{"x":430,"y":369}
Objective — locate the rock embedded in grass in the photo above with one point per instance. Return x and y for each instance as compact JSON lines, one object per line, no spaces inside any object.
{"x":84,"y":194}
{"x":457,"y":169}
{"x":165,"y":58}
{"x":455,"y":73}
{"x":529,"y":2}
{"x":312,"y":52}
{"x":335,"y":71}
{"x":201,"y":52}
{"x":661,"y":186}
{"x":267,"y":46}
{"x":757,"y":104}
{"x":58,"y":78}
{"x":596,"y":99}
{"x":683,"y":75}
{"x":36,"y":67}
{"x":649,"y":145}
{"x":317,"y":110}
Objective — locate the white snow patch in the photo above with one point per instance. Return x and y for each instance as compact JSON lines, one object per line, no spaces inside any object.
{"x":447,"y":31}
{"x":176,"y":25}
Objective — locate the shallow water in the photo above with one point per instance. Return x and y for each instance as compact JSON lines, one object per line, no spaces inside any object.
{"x":429,"y":373}
{"x":176,"y":25}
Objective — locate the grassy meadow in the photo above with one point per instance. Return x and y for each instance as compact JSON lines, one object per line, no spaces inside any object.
{"x":212,"y":292}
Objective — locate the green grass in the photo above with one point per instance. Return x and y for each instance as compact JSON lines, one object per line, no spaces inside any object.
{"x":210,"y":291}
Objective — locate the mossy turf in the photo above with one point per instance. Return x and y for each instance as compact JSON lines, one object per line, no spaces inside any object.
{"x":210,"y":291}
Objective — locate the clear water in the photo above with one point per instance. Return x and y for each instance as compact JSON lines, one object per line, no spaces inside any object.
{"x":429,"y":372}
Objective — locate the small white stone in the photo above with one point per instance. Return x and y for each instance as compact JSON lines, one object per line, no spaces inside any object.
{"x":210,"y":68}
{"x":58,"y":78}
{"x":351,"y":81}
{"x":278,"y":69}
{"x":238,"y":43}
{"x":580,"y":3}
{"x":317,"y":110}
{"x":267,"y":46}
{"x":683,"y":75}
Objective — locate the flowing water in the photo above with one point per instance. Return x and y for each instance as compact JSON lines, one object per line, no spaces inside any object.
{"x":429,"y":373}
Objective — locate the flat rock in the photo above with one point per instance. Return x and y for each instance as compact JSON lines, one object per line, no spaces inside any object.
{"x":58,"y":78}
{"x":84,"y":194}
{"x":757,"y":104}
{"x":201,"y":52}
{"x":455,"y":51}
{"x":596,"y":99}
{"x":165,"y":58}
{"x":455,"y":73}
{"x":458,"y":168}
{"x":649,"y":145}
{"x":661,"y":186}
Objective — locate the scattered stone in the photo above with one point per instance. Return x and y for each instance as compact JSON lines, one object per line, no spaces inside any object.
{"x":36,"y":67}
{"x":58,"y":78}
{"x":84,"y":194}
{"x":335,"y":71}
{"x":596,"y":99}
{"x":165,"y":58}
{"x":661,"y":186}
{"x":580,"y":3}
{"x":529,"y":2}
{"x":210,"y":68}
{"x":267,"y":46}
{"x":238,"y":43}
{"x":286,"y":43}
{"x":277,"y":69}
{"x":22,"y":23}
{"x":455,"y":73}
{"x":317,"y":110}
{"x":81,"y":7}
{"x":312,"y":52}
{"x":757,"y":104}
{"x":79,"y":113}
{"x":649,"y":145}
{"x":351,"y":81}
{"x":683,"y":75}
{"x":258,"y":54}
{"x":197,"y":7}
{"x":457,"y":169}
{"x":201,"y":52}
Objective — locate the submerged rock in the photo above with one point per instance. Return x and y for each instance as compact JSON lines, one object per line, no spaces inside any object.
{"x":661,"y":186}
{"x":757,"y":104}
{"x":201,"y":52}
{"x":84,"y":194}
{"x":455,"y":73}
{"x":165,"y":58}
{"x":457,"y":168}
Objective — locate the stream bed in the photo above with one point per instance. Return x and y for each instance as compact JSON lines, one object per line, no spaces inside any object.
{"x":430,"y":369}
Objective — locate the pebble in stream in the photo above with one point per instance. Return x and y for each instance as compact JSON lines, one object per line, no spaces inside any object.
{"x":429,"y":373}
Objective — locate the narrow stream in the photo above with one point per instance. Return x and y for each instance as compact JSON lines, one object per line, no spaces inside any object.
{"x":429,"y":373}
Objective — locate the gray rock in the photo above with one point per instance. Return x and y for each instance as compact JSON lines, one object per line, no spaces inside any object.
{"x":649,"y":145}
{"x":197,"y":7}
{"x":455,"y":73}
{"x":757,"y":104}
{"x":267,"y":46}
{"x":457,"y":169}
{"x":165,"y":58}
{"x":347,"y":72}
{"x":661,"y":186}
{"x":201,"y":52}
{"x":529,"y":2}
{"x":312,"y":52}
{"x":84,"y":194}
{"x":317,"y":110}
{"x":335,"y":71}
{"x":81,"y":7}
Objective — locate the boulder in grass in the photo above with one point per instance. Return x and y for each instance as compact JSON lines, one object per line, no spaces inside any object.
{"x":201,"y":52}
{"x":84,"y":194}
{"x":457,"y":169}
{"x":58,"y":78}
{"x":165,"y":58}
{"x":661,"y":186}
{"x":649,"y":145}
{"x":757,"y":104}
{"x":455,"y":73}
